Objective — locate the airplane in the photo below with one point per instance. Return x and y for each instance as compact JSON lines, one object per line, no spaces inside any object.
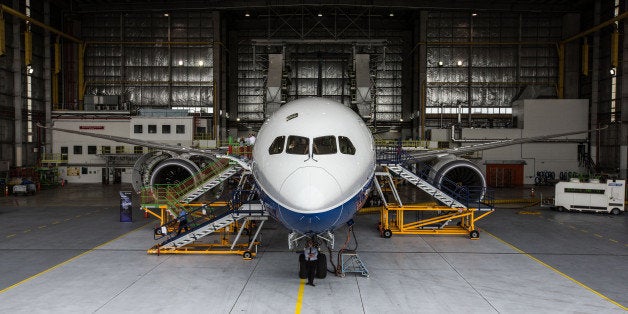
{"x":313,"y":164}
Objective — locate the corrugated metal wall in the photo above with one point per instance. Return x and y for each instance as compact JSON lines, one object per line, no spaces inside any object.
{"x":129,"y":60}
{"x":483,"y":62}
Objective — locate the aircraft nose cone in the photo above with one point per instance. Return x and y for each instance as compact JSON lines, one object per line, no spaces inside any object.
{"x":310,"y":188}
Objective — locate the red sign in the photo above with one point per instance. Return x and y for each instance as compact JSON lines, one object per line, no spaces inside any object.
{"x":91,"y":127}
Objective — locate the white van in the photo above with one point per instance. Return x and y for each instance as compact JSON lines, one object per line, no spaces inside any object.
{"x":591,"y":196}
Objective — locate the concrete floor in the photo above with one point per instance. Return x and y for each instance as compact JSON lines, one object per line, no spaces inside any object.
{"x":65,"y":251}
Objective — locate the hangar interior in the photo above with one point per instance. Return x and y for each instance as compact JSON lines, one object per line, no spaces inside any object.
{"x":415,"y":71}
{"x":102,"y":97}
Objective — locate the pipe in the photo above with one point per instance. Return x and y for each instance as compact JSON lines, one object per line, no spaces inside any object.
{"x":597,"y":27}
{"x":4,"y":8}
{"x":453,"y":138}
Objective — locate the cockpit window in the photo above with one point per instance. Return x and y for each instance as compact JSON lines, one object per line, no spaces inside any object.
{"x":277,"y":146}
{"x":346,"y":147}
{"x":325,"y":145}
{"x":298,"y":145}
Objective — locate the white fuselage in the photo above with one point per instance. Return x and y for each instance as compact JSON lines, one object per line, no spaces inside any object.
{"x":314,"y":162}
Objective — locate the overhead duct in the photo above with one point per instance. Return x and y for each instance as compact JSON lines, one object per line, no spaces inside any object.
{"x":361,"y":85}
{"x":274,"y":82}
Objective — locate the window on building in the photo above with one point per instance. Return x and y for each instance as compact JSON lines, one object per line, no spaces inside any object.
{"x":91,"y":150}
{"x":105,"y":149}
{"x":119,"y":149}
{"x":78,"y":150}
{"x":64,"y":153}
{"x":152,"y":128}
{"x":138,"y":149}
{"x":138,"y":128}
{"x":180,"y":129}
{"x":165,"y":129}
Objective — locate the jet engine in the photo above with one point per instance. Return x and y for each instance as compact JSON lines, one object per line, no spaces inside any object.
{"x":449,"y":173}
{"x":165,"y":167}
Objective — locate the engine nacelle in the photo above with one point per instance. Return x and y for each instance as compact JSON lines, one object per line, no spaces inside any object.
{"x":164,"y":167}
{"x":451,"y":172}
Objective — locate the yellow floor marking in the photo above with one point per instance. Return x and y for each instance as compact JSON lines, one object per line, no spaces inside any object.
{"x":42,"y":227}
{"x":613,"y":240}
{"x":559,"y":272}
{"x":56,"y":222}
{"x":585,"y":231}
{"x":598,"y":235}
{"x":11,"y":235}
{"x":67,"y":219}
{"x":26,"y":231}
{"x":78,"y":216}
{"x":71,"y":259}
{"x":297,"y":309}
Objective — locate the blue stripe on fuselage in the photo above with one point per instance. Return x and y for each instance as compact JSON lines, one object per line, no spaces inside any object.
{"x":319,"y":222}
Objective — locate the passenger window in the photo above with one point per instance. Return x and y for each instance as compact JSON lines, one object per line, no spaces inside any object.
{"x":298,"y":145}
{"x":346,"y":147}
{"x":325,"y":145}
{"x":277,"y":146}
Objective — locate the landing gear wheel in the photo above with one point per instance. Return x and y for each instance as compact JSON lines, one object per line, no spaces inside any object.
{"x":615,"y":211}
{"x":474,"y":234}
{"x":247,"y":255}
{"x":387,"y":233}
{"x":302,"y":268}
{"x":321,"y":266}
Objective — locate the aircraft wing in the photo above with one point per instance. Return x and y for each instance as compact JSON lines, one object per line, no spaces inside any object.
{"x":150,"y":144}
{"x":427,"y":155}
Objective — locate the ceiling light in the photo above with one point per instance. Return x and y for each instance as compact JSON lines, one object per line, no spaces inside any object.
{"x":474,"y":14}
{"x":30,"y":70}
{"x":247,"y":14}
{"x":200,"y":62}
{"x":166,"y":14}
{"x":320,"y":14}
{"x":440,"y":63}
{"x":613,"y":71}
{"x":459,"y":63}
{"x":180,"y":62}
{"x":391,"y":14}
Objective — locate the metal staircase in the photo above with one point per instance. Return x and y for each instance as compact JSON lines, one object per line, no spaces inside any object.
{"x":209,"y":184}
{"x":388,"y":184}
{"x":425,"y":186}
{"x":248,"y":212}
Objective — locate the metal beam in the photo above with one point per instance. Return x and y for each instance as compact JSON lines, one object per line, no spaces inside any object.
{"x":4,"y":8}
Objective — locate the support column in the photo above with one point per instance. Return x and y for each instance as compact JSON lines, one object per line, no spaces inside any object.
{"x":571,"y":26}
{"x":595,"y":76}
{"x":421,"y":80}
{"x":219,"y":124}
{"x":17,"y":90}
{"x":47,"y":85}
{"x":623,"y":91}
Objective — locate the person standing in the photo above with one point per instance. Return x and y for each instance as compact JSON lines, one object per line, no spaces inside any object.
{"x":183,"y":221}
{"x":311,"y":261}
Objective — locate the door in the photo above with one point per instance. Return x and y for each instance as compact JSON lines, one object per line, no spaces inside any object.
{"x":504,"y":175}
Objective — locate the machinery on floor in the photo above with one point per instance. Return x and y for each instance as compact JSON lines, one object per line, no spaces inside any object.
{"x":463,"y":204}
{"x":592,"y":196}
{"x":240,"y":215}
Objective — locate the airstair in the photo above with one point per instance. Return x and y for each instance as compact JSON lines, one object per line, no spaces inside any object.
{"x":165,"y":201}
{"x":429,"y":219}
{"x":209,"y":184}
{"x":204,"y":224}
{"x":437,"y":194}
